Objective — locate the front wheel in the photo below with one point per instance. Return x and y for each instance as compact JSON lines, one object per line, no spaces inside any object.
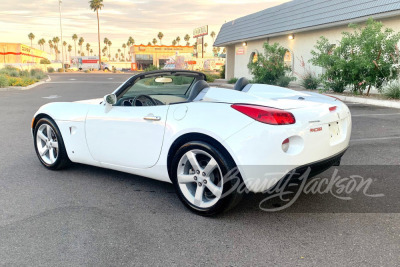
{"x":205,"y":178}
{"x":49,"y":145}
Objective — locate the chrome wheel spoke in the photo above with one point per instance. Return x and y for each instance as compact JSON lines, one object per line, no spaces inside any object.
{"x":198,"y":198}
{"x":215,"y":190}
{"x":43,"y":151}
{"x":48,"y":129}
{"x":212,"y":164}
{"x":193,"y":161}
{"x":54,"y":144}
{"x":42,"y":136}
{"x":185,"y":178}
{"x":51,"y":155}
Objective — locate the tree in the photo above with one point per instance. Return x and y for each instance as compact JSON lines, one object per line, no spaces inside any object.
{"x":64,"y":47}
{"x":270,"y":66}
{"x":131,"y":41}
{"x":69,"y":50}
{"x":56,"y":40}
{"x":97,"y":5}
{"x":224,"y":51}
{"x":174,"y":42}
{"x":31,"y":36}
{"x":50,"y":42}
{"x":186,"y":38}
{"x":88,"y":48}
{"x":149,"y":43}
{"x":124,"y":47}
{"x":91,"y":52}
{"x":160,"y":36}
{"x":41,"y":43}
{"x":187,"y":44}
{"x":109,"y":49}
{"x":205,"y":47}
{"x":154,"y":41}
{"x":362,"y":59}
{"x":178,"y":39}
{"x":75,"y":37}
{"x":212,"y":36}
{"x":80,"y":42}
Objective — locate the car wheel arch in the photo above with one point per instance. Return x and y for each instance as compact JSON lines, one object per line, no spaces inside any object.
{"x":192,"y":137}
{"x":38,"y":117}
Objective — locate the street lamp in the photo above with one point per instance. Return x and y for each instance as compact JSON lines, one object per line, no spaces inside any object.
{"x":62,"y":46}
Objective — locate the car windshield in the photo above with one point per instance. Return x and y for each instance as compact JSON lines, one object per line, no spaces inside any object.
{"x":160,"y":85}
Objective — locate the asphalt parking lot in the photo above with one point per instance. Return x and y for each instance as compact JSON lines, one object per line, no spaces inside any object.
{"x":91,"y":216}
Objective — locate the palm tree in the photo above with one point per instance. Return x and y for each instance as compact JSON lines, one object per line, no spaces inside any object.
{"x":69,"y":50}
{"x":91,"y":52}
{"x":187,"y":44}
{"x":124,"y":47}
{"x":131,"y":41}
{"x":50,"y":45}
{"x":224,"y":51}
{"x":55,"y":42}
{"x":75,"y":37}
{"x":41,"y":43}
{"x":104,"y":50}
{"x":88,"y":48}
{"x":149,"y":43}
{"x":174,"y":42}
{"x":160,"y":36}
{"x":187,"y":38}
{"x":178,"y":39}
{"x":95,"y":5}
{"x":212,"y":36}
{"x":31,"y":36}
{"x":116,"y":56}
{"x":205,"y":47}
{"x":80,"y":42}
{"x":109,"y":48}
{"x":154,"y":41}
{"x":65,"y":46}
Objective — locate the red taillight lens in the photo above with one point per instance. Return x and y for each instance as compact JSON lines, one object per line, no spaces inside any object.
{"x":332,"y":108}
{"x":265,"y":114}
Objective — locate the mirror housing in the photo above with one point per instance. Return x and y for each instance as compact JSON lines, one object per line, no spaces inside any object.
{"x":110,"y":99}
{"x":163,"y":80}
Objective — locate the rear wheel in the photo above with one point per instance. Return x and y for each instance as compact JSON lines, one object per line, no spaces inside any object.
{"x":49,"y":145}
{"x":202,"y":178}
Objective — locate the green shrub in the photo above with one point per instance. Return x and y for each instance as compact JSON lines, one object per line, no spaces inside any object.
{"x":211,"y":77}
{"x":392,"y":90}
{"x":269,"y":67}
{"x":3,"y":81}
{"x":38,"y":74}
{"x":284,"y":81}
{"x":151,"y":68}
{"x":50,"y":69}
{"x":12,"y":81}
{"x":337,"y":86}
{"x":44,"y":61}
{"x":233,"y":80}
{"x":86,"y":71}
{"x":24,"y":73}
{"x":309,"y":81}
{"x":222,"y":72}
{"x":60,"y":70}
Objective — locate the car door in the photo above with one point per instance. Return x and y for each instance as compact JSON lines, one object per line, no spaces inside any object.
{"x":128,"y":135}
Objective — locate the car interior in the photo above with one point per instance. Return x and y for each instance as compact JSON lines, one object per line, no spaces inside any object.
{"x":165,"y":88}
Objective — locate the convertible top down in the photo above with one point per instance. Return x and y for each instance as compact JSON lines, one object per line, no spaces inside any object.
{"x":170,"y":125}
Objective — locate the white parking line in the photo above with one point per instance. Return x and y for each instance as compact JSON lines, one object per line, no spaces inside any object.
{"x":366,"y":115}
{"x":375,"y":139}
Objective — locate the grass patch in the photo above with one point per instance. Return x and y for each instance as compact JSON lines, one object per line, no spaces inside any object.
{"x":392,"y":90}
{"x":10,"y":76}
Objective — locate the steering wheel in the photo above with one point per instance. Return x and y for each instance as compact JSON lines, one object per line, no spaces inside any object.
{"x":140,"y":100}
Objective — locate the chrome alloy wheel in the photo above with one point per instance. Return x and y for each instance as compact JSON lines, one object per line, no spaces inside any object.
{"x":47,"y":144}
{"x":200,"y":178}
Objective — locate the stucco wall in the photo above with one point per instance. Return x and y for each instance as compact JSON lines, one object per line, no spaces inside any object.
{"x":300,"y":47}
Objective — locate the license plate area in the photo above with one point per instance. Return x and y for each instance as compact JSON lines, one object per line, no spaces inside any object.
{"x":335,"y":132}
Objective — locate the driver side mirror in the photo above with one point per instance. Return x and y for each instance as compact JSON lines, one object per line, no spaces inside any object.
{"x":110,"y":99}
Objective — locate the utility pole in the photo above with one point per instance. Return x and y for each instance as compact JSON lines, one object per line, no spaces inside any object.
{"x":62,"y":46}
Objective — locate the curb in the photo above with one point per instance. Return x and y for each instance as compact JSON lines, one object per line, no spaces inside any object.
{"x":374,"y":102}
{"x":19,"y":88}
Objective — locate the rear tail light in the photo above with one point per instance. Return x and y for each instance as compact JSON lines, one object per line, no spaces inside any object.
{"x":265,"y":114}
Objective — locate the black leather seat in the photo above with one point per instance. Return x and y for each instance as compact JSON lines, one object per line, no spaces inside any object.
{"x":240,"y":84}
{"x":197,"y":88}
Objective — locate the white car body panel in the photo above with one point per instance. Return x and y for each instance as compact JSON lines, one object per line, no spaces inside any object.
{"x":118,"y":138}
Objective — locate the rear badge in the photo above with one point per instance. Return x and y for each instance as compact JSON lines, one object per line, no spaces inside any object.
{"x":314,"y":130}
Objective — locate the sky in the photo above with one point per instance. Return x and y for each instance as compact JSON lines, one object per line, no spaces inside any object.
{"x":119,"y":19}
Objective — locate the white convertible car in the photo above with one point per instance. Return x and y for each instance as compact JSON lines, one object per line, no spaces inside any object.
{"x":211,"y":143}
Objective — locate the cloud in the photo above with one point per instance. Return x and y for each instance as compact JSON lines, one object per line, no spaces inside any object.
{"x":119,"y":19}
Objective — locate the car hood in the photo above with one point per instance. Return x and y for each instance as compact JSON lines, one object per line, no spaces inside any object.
{"x":267,"y":95}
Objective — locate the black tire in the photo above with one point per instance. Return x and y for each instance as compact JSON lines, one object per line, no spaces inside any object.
{"x":230,"y":195}
{"x":62,"y":161}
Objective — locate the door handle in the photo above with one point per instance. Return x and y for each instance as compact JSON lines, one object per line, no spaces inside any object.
{"x":152,"y":118}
